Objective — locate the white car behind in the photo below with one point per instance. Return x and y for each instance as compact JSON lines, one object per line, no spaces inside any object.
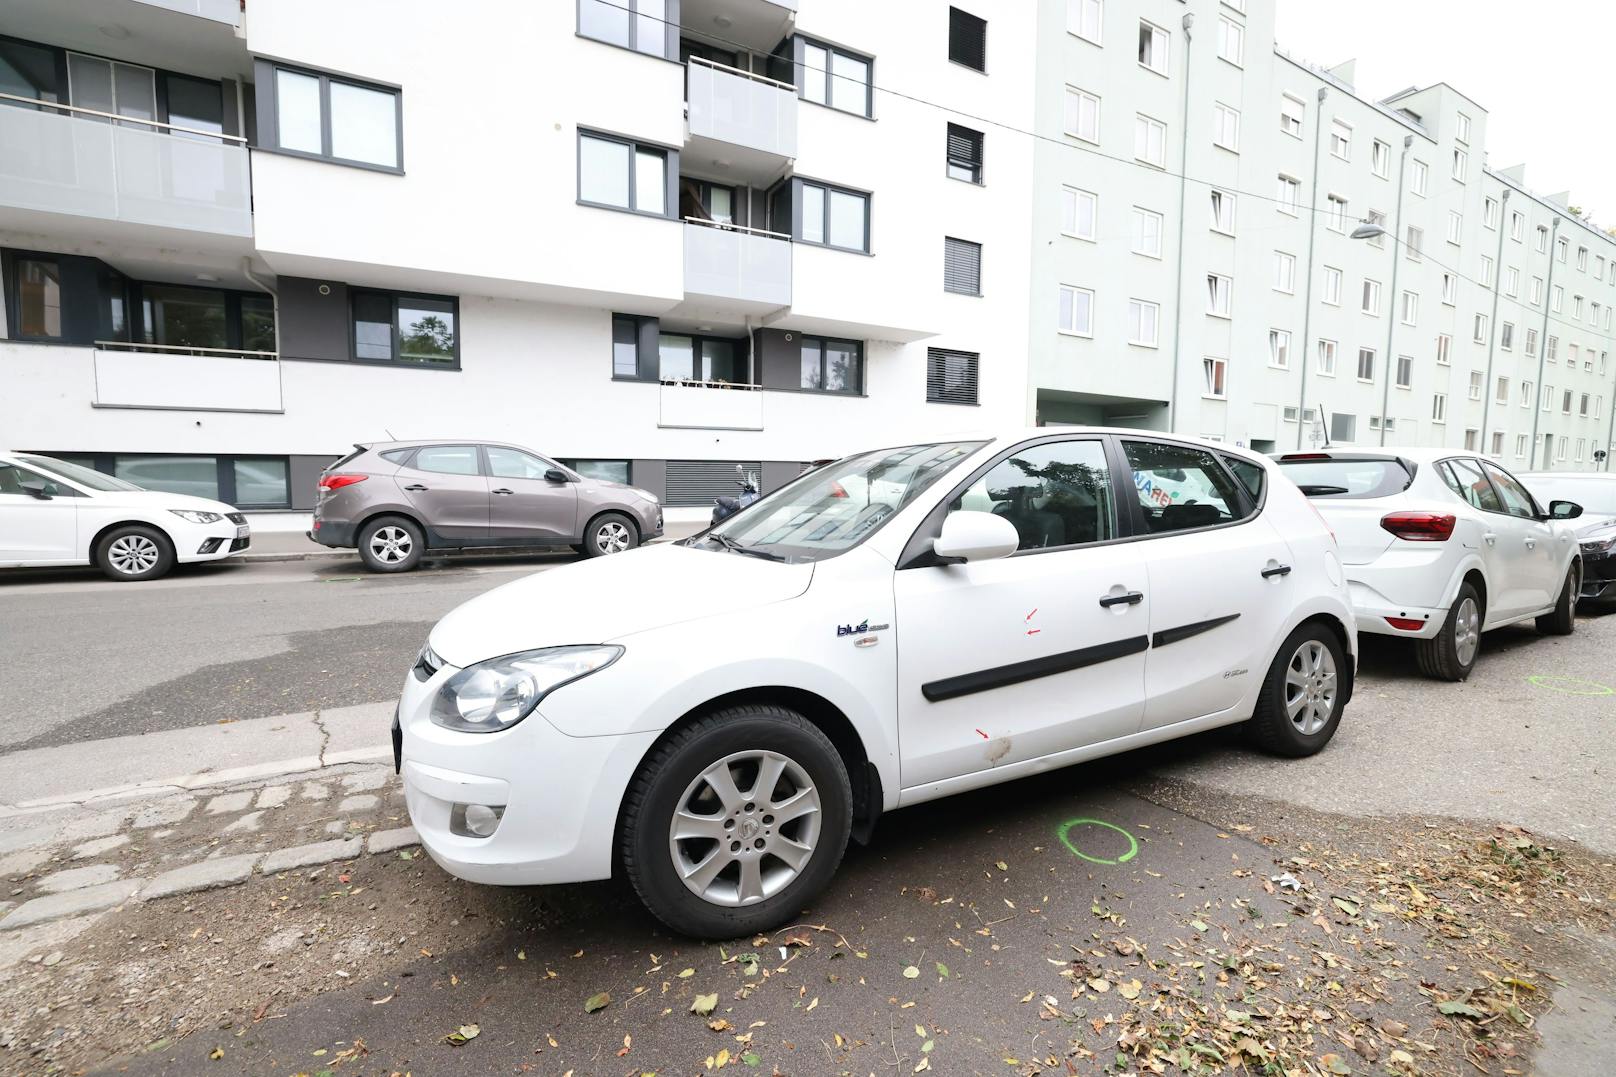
{"x":55,"y":513}
{"x":1441,"y":546}
{"x":714,"y":718}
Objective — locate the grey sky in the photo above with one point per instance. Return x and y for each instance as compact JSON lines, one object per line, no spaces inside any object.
{"x":1539,"y":70}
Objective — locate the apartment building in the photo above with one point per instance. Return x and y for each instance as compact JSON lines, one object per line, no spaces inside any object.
{"x":1201,"y":194}
{"x":656,"y":238}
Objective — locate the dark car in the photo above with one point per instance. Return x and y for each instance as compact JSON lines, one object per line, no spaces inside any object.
{"x":1595,"y":491}
{"x":394,"y":500}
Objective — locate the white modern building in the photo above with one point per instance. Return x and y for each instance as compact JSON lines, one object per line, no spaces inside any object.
{"x":660,"y":237}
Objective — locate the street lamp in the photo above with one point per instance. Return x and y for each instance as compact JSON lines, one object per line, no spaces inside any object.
{"x":1368,"y":230}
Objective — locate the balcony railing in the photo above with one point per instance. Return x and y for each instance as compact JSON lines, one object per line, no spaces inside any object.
{"x":708,"y":405}
{"x":742,"y":267}
{"x":172,"y":378}
{"x":740,"y":108}
{"x":87,"y":163}
{"x":225,"y":11}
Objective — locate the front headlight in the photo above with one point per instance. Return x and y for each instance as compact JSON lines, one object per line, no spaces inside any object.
{"x":197,"y":517}
{"x":495,"y":695}
{"x":1598,"y":547}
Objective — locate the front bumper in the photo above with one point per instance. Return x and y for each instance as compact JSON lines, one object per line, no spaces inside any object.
{"x":1599,"y":580}
{"x":210,"y":542}
{"x":561,"y":794}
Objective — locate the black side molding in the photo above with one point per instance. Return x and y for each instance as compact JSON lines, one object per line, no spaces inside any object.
{"x":1184,"y":632}
{"x":1003,"y":676}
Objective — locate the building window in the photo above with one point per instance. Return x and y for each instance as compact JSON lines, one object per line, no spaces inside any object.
{"x":1476,"y":386}
{"x":1461,"y":132}
{"x":962,"y":266}
{"x":1561,"y":246}
{"x":967,"y":39}
{"x":1375,"y":216}
{"x":1548,"y":397}
{"x":1526,"y":394}
{"x":1143,"y":321}
{"x":1439,"y":407}
{"x":1416,"y":177}
{"x":1542,"y":238}
{"x":1512,"y":281}
{"x":1480,"y":334}
{"x":400,"y":327}
{"x":830,"y":76}
{"x":1556,"y":298}
{"x":1079,"y":212}
{"x":1380,"y":158}
{"x":1576,"y":307}
{"x":1444,"y":349}
{"x":951,"y":376}
{"x":1486,"y":271}
{"x":829,"y":216}
{"x":964,"y":153}
{"x":641,"y":25}
{"x":1336,"y":213}
{"x":603,"y":470}
{"x":1082,"y":115}
{"x":1405,"y":371}
{"x":1288,"y":413}
{"x":1501,"y":390}
{"x":1150,"y":140}
{"x":1565,"y":405}
{"x":1371,"y":297}
{"x":1531,"y":342}
{"x":312,"y":114}
{"x":1222,"y":212}
{"x":1279,"y":348}
{"x":1340,"y":140}
{"x":832,"y":366}
{"x":1231,"y":41}
{"x":1226,"y":128}
{"x":626,"y":350}
{"x":1517,"y":225}
{"x":1552,"y":348}
{"x":1582,"y":259}
{"x":1216,"y":373}
{"x":1455,"y":226}
{"x":1536,"y":295}
{"x":1343,"y":427}
{"x":1461,"y":164}
{"x":1472,"y":439}
{"x":1331,"y":291}
{"x":1582,"y":405}
{"x":1498,"y":443}
{"x":1084,"y":18}
{"x":1506,"y":336}
{"x":622,"y":174}
{"x":1326,"y":359}
{"x":1284,"y":272}
{"x":1413,"y":240}
{"x":1366,"y":364}
{"x":1219,"y":294}
{"x":1147,"y":232}
{"x":1076,"y":311}
{"x":1153,"y":47}
{"x":1411,"y":308}
{"x":37,"y":299}
{"x":1291,"y":113}
{"x":1290,"y":193}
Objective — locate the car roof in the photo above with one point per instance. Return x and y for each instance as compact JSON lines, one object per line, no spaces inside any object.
{"x":1573,"y":476}
{"x":1010,"y":435}
{"x":415,"y":443}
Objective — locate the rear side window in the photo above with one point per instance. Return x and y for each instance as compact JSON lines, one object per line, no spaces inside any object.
{"x":1467,"y":480}
{"x":1251,"y":476}
{"x":448,"y":459}
{"x":394,"y":456}
{"x":1347,"y":478}
{"x":1181,"y":487}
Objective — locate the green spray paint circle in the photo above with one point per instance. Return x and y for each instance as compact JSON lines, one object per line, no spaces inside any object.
{"x":1572,"y":686}
{"x":1065,"y":830}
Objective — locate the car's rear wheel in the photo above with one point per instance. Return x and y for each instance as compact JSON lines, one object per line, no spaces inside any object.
{"x":609,"y":533}
{"x":391,"y":544}
{"x":736,"y":822}
{"x":134,"y":552}
{"x":1303,"y":694}
{"x":1562,"y":620}
{"x":1451,"y":654}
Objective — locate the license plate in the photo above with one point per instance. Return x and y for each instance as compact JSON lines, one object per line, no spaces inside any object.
{"x":243,"y":531}
{"x":398,"y":745}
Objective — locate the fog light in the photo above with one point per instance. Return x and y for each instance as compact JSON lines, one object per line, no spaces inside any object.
{"x":475,"y":820}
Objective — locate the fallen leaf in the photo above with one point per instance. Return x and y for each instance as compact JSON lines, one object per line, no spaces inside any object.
{"x":460,"y":1036}
{"x":1130,"y":989}
{"x":942,"y":970}
{"x":704,"y":1004}
{"x":719,"y":1024}
{"x":1460,"y":1008}
{"x":597,"y":1002}
{"x":910,"y":972}
{"x":216,"y":1054}
{"x":1334,"y":1063}
{"x":923,"y":1065}
{"x":687,"y":974}
{"x":1002,"y":866}
{"x":1346,"y":906}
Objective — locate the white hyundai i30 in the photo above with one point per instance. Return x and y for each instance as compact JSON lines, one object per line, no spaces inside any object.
{"x":714,"y":718}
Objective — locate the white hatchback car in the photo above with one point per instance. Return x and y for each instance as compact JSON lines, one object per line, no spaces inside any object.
{"x":56,"y":513}
{"x":715,"y":717}
{"x":1441,"y":546}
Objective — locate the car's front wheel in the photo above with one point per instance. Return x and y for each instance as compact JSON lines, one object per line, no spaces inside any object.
{"x":1562,"y":620}
{"x":1302,"y":695}
{"x":134,"y":552}
{"x":610,"y":533}
{"x":391,"y":544}
{"x":736,"y":822}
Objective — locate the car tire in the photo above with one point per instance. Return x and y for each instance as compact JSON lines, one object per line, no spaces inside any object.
{"x":725,"y":886}
{"x":391,"y":544}
{"x":1562,"y":620}
{"x":134,"y":552}
{"x":1451,"y":654}
{"x":1303,"y":694}
{"x":609,"y":533}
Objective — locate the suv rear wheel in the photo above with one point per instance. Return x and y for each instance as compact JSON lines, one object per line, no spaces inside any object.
{"x":391,"y":544}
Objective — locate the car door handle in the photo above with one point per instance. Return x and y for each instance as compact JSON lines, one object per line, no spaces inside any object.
{"x":1491,"y":538}
{"x":1132,"y":598}
{"x":502,"y":490}
{"x":1278,"y":570}
{"x":414,"y":486}
{"x":1531,"y":544}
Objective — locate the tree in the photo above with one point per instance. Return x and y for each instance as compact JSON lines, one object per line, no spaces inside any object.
{"x":430,"y":339}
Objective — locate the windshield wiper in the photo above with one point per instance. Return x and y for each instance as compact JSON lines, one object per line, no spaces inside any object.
{"x":731,"y":544}
{"x":1312,"y":489}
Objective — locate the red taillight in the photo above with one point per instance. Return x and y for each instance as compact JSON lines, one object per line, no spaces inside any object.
{"x":837,"y":489}
{"x":1405,"y":624}
{"x":1420,"y":526}
{"x":1306,"y":456}
{"x":338,"y":481}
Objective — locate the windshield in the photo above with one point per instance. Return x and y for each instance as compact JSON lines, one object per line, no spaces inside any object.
{"x":839,"y":505}
{"x":84,"y":476}
{"x":1347,"y":478}
{"x":1596,"y":496}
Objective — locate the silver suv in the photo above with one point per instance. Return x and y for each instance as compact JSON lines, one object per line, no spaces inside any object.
{"x":394,"y":500}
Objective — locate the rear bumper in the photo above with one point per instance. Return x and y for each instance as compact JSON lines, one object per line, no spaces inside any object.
{"x":1372,"y":608}
{"x":335,"y":533}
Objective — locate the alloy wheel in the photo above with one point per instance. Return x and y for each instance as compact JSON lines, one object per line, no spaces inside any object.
{"x":1310,"y":687}
{"x":612,"y":537}
{"x":133,"y":554}
{"x":391,"y":544}
{"x":745,"y":828}
{"x":1466,"y":631}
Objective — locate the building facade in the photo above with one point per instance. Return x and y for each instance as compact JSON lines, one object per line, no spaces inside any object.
{"x":661,"y":237}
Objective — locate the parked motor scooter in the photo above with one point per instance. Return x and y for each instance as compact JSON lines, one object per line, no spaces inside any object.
{"x":726,"y":507}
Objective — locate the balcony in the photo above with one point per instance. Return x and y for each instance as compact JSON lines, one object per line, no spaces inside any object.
{"x":225,"y":11}
{"x":155,"y":377}
{"x":745,"y":123}
{"x":63,"y":166}
{"x":735,"y":269}
{"x":693,"y":405}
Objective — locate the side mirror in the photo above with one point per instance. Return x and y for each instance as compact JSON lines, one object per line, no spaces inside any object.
{"x":37,"y":489}
{"x":975,"y":536}
{"x":555,"y":474}
{"x":1564,"y":510}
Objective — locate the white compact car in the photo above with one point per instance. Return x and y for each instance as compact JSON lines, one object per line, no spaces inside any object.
{"x":714,"y":718}
{"x":56,"y":513}
{"x":1441,"y":546}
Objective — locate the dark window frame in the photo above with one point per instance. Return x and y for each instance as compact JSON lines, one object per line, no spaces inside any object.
{"x":936,"y":363}
{"x":669,"y":21}
{"x":394,"y":296}
{"x":977,"y":249}
{"x":1248,"y":507}
{"x":13,"y":296}
{"x":647,"y":358}
{"x":960,"y":20}
{"x":742,"y":346}
{"x":670,"y":173}
{"x":975,"y":164}
{"x":234,"y":330}
{"x":269,"y":113}
{"x":822,"y":341}
{"x":801,"y":73}
{"x":794,"y":185}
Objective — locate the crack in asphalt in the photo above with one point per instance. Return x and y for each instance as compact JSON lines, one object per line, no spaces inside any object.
{"x":325,"y":735}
